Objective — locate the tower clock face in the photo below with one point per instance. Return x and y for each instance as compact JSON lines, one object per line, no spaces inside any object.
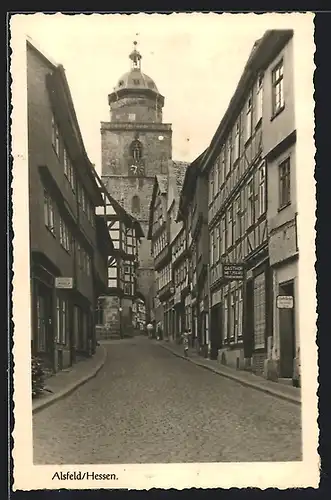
{"x":137,"y":170}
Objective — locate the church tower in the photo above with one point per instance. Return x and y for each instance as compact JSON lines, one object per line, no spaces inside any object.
{"x":136,"y":146}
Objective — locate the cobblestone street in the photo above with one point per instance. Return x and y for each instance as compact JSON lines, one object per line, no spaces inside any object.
{"x":147,"y":405}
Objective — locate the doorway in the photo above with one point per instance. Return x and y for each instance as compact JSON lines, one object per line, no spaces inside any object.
{"x":76,"y":329}
{"x":215,"y":330}
{"x":44,"y":326}
{"x":286,"y":333}
{"x":249,"y":320}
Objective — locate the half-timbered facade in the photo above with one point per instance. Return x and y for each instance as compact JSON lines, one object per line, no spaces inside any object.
{"x":177,"y":243}
{"x":180,"y":279}
{"x":120,"y":303}
{"x":240,"y":276}
{"x":163,"y":232}
{"x":193,"y":208}
{"x":158,"y":234}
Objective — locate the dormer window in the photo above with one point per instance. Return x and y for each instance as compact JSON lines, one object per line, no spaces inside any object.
{"x":136,"y":81}
{"x":121,"y":83}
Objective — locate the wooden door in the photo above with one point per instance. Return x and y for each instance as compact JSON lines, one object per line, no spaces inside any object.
{"x":286,"y":334}
{"x":215,"y":330}
{"x":249,"y":319}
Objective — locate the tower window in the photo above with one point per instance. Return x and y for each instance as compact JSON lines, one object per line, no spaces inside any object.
{"x":135,"y":204}
{"x":136,"y":81}
{"x":136,"y":150}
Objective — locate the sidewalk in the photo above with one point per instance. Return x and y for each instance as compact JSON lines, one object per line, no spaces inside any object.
{"x":282,"y":391}
{"x":66,"y":381}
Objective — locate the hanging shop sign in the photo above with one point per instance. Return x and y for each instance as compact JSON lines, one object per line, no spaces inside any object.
{"x":65,"y":283}
{"x":285,"y":302}
{"x":233,"y":271}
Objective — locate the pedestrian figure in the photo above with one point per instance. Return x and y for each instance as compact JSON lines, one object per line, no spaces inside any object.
{"x":158,"y":331}
{"x":150,"y":330}
{"x":185,"y":342}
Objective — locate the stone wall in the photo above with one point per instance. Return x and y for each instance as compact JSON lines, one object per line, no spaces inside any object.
{"x":116,"y":157}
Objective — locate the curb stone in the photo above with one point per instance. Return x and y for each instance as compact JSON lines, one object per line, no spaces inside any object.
{"x":41,"y":404}
{"x":267,"y":390}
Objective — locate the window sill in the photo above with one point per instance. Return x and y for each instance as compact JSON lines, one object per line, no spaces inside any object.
{"x":50,"y":231}
{"x":56,"y":153}
{"x":280,"y":209}
{"x":65,"y":249}
{"x":276,"y":113}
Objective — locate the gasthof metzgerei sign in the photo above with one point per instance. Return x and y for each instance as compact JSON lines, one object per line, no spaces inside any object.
{"x":233,"y":271}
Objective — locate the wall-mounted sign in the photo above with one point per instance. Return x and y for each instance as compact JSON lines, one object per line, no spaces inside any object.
{"x":61,"y":282}
{"x":285,"y":302}
{"x":233,"y":271}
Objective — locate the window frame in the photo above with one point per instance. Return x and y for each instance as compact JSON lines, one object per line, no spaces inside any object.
{"x":259,"y":99}
{"x":281,"y":177}
{"x":232,"y":311}
{"x":223,"y":235}
{"x":278,"y":100}
{"x":62,"y":312}
{"x":240,"y":317}
{"x":237,"y":140}
{"x":250,"y":203}
{"x":49,"y":213}
{"x":56,"y":141}
{"x":136,"y":151}
{"x":229,"y":223}
{"x":249,"y":117}
{"x":262,"y":190}
{"x":225,"y":318}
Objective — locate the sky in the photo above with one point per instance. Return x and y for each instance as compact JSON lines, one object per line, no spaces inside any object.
{"x":196,"y":61}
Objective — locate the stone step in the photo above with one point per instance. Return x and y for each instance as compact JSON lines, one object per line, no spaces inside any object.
{"x":285,"y":381}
